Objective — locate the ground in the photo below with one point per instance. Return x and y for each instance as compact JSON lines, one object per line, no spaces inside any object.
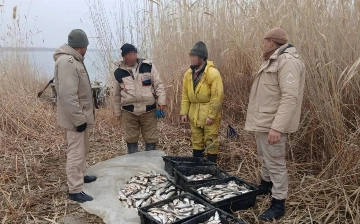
{"x":33,"y":182}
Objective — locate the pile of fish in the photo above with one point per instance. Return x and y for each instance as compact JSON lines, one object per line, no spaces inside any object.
{"x":198,"y":177}
{"x":221,"y":192}
{"x":216,"y":220}
{"x":176,"y":210}
{"x":213,"y":219}
{"x":145,"y":189}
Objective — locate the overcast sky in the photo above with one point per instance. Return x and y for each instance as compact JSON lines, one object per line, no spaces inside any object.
{"x":53,"y":18}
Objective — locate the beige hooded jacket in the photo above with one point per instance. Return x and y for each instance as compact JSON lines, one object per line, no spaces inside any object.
{"x":75,"y":102}
{"x":140,"y":92}
{"x":277,"y":93}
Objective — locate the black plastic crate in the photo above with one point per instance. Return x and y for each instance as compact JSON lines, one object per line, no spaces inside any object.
{"x":230,"y":205}
{"x":225,"y":218}
{"x":148,"y":219}
{"x":181,"y":173}
{"x":173,"y":162}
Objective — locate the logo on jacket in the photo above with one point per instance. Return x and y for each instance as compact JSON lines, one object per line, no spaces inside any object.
{"x":71,"y":59}
{"x":290,"y":78}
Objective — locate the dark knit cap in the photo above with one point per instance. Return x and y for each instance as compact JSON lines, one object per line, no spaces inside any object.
{"x":200,"y":50}
{"x":127,"y":48}
{"x":78,"y":38}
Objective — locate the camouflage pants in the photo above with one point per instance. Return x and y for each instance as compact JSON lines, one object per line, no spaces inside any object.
{"x":206,"y":137}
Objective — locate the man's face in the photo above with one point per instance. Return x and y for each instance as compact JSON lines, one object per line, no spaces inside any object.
{"x":130,"y":58}
{"x":195,"y":60}
{"x":267,"y":45}
{"x":83,"y":51}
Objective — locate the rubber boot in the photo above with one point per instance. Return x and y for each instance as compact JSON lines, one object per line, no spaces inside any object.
{"x":198,"y":153}
{"x":265,"y":187}
{"x":132,"y":147}
{"x":212,"y":157}
{"x":150,"y":146}
{"x":89,"y":179}
{"x":80,"y":197}
{"x":276,"y":211}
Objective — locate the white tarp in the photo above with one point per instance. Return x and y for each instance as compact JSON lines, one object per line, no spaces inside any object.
{"x":112,"y":175}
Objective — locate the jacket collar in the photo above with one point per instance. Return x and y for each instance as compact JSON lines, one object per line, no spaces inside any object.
{"x":286,"y":48}
{"x":140,"y":61}
{"x":279,"y":51}
{"x":66,"y":49}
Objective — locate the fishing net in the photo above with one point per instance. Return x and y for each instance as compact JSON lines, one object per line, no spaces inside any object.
{"x":112,"y":176}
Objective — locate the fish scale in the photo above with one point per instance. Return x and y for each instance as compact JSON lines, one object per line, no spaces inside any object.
{"x":145,"y":189}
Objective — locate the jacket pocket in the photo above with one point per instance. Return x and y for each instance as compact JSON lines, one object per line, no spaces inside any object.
{"x":270,"y":75}
{"x":146,"y":80}
{"x":88,"y":110}
{"x":277,"y":150}
{"x":264,"y":117}
{"x":268,"y":110}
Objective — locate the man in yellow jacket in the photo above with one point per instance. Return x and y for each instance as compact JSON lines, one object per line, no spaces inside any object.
{"x":274,"y":112}
{"x":202,"y":98}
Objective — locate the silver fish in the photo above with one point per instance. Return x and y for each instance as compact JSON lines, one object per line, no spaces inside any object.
{"x":216,"y":193}
{"x":145,"y":189}
{"x":176,"y":210}
{"x":198,"y":177}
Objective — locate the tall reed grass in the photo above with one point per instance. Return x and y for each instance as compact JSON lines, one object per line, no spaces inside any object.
{"x":324,"y":32}
{"x":323,"y":155}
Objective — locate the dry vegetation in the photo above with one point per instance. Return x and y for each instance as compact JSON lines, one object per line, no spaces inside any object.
{"x":323,"y":157}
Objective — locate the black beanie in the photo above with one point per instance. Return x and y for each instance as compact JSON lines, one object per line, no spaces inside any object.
{"x":200,"y":50}
{"x":127,"y":48}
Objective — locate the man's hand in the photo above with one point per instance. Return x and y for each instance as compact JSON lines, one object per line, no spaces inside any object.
{"x":162,"y":107}
{"x":274,"y":137}
{"x":184,"y":119}
{"x":209,"y":121}
{"x":81,"y":128}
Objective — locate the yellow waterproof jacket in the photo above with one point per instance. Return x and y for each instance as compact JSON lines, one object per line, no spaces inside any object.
{"x":206,"y":100}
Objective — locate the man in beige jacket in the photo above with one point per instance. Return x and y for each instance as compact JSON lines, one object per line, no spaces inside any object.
{"x":274,"y":112}
{"x":75,"y":109}
{"x":138,"y":92}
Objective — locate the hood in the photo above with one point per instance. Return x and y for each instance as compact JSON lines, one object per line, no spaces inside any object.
{"x":209,"y":64}
{"x":67,"y":50}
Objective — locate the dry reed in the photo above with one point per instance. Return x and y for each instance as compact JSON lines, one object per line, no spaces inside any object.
{"x":323,"y":157}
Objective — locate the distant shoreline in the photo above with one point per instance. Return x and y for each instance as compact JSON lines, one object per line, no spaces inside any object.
{"x":13,"y":49}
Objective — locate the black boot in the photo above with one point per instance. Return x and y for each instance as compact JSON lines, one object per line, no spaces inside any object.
{"x":276,"y":210}
{"x":150,"y":146}
{"x":265,"y":187}
{"x":89,"y":179}
{"x":132,"y":147}
{"x":80,"y":197}
{"x":212,"y":157}
{"x":198,"y":153}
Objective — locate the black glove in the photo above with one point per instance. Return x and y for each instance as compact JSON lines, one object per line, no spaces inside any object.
{"x":81,"y":128}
